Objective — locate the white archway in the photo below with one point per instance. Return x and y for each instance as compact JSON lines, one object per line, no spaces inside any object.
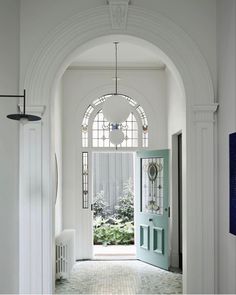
{"x":36,"y":187}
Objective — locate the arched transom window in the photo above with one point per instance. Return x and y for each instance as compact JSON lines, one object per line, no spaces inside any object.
{"x":95,"y":128}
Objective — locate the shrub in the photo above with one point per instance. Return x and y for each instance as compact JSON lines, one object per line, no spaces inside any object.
{"x":125,"y":208}
{"x":113,"y":234}
{"x":100,"y":206}
{"x":117,"y":229}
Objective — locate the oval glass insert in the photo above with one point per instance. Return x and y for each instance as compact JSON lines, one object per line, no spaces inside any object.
{"x":152,"y":171}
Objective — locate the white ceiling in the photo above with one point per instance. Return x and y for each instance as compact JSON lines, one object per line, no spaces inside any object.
{"x":129,"y":55}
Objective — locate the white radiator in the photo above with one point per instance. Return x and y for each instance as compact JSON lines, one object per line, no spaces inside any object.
{"x":65,"y":253}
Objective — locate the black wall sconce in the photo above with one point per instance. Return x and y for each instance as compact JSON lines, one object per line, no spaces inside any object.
{"x":21,"y":116}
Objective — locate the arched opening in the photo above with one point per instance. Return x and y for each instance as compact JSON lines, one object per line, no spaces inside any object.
{"x":190,"y":70}
{"x":157,"y":106}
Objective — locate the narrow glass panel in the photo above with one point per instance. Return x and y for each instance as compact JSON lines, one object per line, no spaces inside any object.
{"x":85,"y":200}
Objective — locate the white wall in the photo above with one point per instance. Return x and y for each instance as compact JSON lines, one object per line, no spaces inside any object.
{"x":196,"y":18}
{"x":52,"y":12}
{"x":176,"y":110}
{"x":58,"y":152}
{"x":226,"y":26}
{"x":79,"y":88}
{"x":176,"y":106}
{"x":9,"y":145}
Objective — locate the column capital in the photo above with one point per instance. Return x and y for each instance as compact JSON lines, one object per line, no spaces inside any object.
{"x":205,"y":113}
{"x":33,"y":109}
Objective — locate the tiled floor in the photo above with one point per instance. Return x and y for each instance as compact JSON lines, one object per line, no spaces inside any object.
{"x":119,"y":277}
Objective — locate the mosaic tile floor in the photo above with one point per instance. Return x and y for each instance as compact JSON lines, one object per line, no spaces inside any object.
{"x":119,"y":277}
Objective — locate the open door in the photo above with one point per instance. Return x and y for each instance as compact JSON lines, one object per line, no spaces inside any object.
{"x":152,"y":207}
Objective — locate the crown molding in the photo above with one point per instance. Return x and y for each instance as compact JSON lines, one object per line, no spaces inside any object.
{"x":205,"y":113}
{"x":206,"y":108}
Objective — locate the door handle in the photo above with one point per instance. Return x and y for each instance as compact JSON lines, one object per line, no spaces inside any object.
{"x":168,"y":209}
{"x":150,"y":220}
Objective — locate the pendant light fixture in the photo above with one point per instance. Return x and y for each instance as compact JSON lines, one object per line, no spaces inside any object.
{"x":22,"y":117}
{"x":116,"y":135}
{"x":116,"y":108}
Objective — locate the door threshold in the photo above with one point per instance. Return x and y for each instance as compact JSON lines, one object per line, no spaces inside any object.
{"x":113,"y":258}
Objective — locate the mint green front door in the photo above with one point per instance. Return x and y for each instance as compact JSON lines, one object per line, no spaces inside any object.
{"x":151,"y":208}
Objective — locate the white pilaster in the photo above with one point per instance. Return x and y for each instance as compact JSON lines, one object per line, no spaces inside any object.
{"x":30,"y":214}
{"x":201,"y":203}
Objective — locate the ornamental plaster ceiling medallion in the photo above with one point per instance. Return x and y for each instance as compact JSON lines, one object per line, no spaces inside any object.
{"x":118,"y":13}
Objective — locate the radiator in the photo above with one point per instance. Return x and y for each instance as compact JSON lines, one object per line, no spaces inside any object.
{"x":65,"y":253}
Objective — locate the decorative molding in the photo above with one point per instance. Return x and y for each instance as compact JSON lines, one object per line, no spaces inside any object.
{"x":118,"y":13}
{"x":205,"y":113}
{"x":158,"y":240}
{"x":33,"y":109}
{"x":206,"y":108}
{"x":56,"y":53}
{"x":145,"y":244}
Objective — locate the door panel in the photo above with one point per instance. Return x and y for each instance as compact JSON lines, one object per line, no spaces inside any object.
{"x":151,"y":209}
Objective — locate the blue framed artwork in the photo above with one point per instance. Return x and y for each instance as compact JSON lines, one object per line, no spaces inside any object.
{"x":232,"y":170}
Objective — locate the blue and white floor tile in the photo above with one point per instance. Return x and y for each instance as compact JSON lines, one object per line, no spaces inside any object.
{"x":119,"y":277}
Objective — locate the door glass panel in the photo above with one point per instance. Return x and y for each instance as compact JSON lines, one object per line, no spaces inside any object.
{"x":152,"y":185}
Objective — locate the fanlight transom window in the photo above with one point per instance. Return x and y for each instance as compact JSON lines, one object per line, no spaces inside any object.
{"x":135,"y":133}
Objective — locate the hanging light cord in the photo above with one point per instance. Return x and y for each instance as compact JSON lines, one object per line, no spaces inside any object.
{"x":116,"y":78}
{"x":24,"y":102}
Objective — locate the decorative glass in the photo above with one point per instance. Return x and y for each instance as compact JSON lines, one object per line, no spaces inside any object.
{"x":101,"y":132}
{"x":85,"y":124}
{"x":129,"y":127}
{"x":152,"y":185}
{"x":85,"y":201}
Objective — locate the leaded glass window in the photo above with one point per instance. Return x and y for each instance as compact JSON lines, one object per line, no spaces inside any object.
{"x":152,"y":186}
{"x":85,"y":200}
{"x":101,"y":128}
